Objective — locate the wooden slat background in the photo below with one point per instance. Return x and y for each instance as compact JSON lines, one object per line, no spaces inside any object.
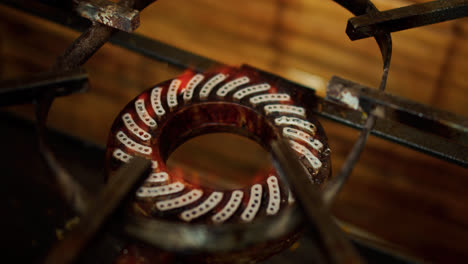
{"x":402,"y":196}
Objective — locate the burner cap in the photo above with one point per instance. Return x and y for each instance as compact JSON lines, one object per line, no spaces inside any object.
{"x":235,"y":100}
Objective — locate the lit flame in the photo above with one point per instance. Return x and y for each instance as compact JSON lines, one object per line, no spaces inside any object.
{"x":184,"y":79}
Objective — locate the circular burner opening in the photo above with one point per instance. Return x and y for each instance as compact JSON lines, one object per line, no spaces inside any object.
{"x":220,"y":146}
{"x":221,"y":161}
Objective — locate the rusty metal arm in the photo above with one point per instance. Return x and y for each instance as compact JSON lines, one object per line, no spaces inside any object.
{"x":121,"y":186}
{"x":446,"y":134}
{"x":407,"y":17}
{"x":75,"y":56}
{"x":384,"y":40}
{"x":26,"y":89}
{"x":405,"y":111}
{"x":333,"y":245}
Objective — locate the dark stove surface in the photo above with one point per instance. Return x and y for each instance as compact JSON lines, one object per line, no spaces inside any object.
{"x":32,"y":208}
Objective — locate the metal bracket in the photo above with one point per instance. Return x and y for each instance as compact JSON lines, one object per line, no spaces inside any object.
{"x":110,"y":14}
{"x":434,"y":131}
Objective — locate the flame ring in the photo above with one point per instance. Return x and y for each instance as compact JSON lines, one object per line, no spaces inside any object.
{"x":229,"y":99}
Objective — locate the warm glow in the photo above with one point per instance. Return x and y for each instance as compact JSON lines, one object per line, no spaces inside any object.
{"x":221,"y":161}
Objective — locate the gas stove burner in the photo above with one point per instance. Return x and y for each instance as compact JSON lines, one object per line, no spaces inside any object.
{"x":236,"y":100}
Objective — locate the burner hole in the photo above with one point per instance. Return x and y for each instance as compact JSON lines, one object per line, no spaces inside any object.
{"x":220,"y":161}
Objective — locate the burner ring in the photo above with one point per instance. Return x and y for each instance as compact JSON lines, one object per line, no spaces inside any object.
{"x":236,"y":100}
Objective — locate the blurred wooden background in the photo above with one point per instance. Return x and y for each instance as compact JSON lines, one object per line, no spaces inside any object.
{"x":404,"y":197}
